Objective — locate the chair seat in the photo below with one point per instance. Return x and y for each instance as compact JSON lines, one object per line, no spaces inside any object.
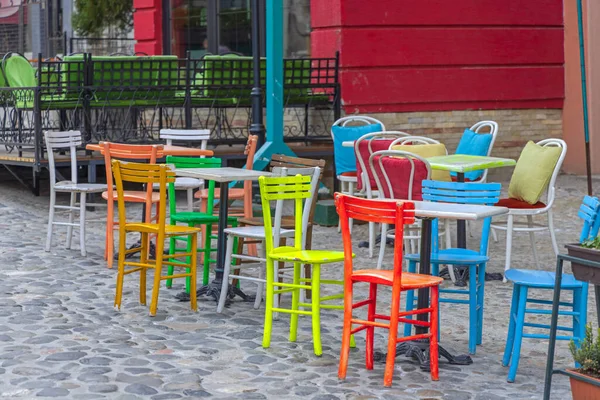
{"x":453,"y":256}
{"x":198,"y":218}
{"x":68,"y":186}
{"x":350,"y":176}
{"x":256,"y":232}
{"x":184,"y":184}
{"x":234,"y":193}
{"x":519,"y":204}
{"x":541,"y":279}
{"x":170,"y":230}
{"x":385,"y":277}
{"x":133,"y":196}
{"x":290,"y":254}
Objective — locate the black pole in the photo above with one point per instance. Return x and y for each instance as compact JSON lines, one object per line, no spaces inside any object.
{"x":256,"y":127}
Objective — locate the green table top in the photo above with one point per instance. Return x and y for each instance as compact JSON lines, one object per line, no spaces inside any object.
{"x":463,"y":163}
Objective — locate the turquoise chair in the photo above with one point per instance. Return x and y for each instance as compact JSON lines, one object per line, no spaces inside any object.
{"x":459,"y":193}
{"x":524,"y":280}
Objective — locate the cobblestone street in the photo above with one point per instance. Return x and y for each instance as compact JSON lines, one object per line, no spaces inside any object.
{"x":61,"y":337}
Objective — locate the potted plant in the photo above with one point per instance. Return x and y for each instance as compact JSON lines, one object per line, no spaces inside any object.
{"x":588,"y":250}
{"x":588,"y":357}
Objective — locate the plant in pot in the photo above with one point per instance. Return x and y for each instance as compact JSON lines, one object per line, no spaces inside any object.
{"x":587,"y":356}
{"x":587,"y":250}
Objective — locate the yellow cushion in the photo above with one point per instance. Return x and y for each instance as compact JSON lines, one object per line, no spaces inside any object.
{"x":533,"y":172}
{"x":426,"y":151}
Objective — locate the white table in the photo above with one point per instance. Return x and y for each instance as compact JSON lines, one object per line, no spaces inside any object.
{"x":224,"y":176}
{"x":427,"y":211}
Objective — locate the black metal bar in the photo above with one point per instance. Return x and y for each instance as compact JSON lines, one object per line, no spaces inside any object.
{"x":553,"y":325}
{"x":166,"y":27}
{"x":212,"y":29}
{"x":256,"y":127}
{"x":597,"y":295}
{"x":188,"y":93}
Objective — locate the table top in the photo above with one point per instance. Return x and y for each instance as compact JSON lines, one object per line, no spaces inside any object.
{"x":428,"y":209}
{"x":465,"y":163}
{"x":168,"y":150}
{"x":225,"y":174}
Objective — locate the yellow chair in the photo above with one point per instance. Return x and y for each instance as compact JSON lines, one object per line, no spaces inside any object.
{"x":296,"y":188}
{"x":150,"y":174}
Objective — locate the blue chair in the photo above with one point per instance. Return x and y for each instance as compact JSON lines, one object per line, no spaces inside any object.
{"x":459,"y":193}
{"x":524,"y":280}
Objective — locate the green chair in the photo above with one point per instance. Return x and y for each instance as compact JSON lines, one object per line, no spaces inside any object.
{"x":192,"y":219}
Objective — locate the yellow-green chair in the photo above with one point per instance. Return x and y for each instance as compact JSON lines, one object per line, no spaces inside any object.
{"x":296,"y":188}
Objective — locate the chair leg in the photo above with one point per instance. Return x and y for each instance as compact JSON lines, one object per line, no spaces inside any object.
{"x":509,"y":233}
{"x":71,"y":217}
{"x":110,"y":242}
{"x":206,"y":236}
{"x":351,"y":221}
{"x":188,"y":260}
{"x":434,"y":330}
{"x":473,"y":314}
{"x":260,"y":286}
{"x":371,"y":329}
{"x":269,"y":303}
{"x":552,"y":234}
{"x":226,"y":269}
{"x":316,"y":308}
{"x":344,"y":191}
{"x":372,"y":239}
{"x":388,"y":374}
{"x":193,"y":272}
{"x":480,"y":301}
{"x":382,"y":243}
{"x":144,"y":252}
{"x":295,"y":303}
{"x":50,"y":220}
{"x":410,"y":300}
{"x":345,"y":349}
{"x":190,"y":200}
{"x":516,"y":354}
{"x":120,"y":274}
{"x":157,"y":274}
{"x":82,"y":200}
{"x":512,"y":322}
{"x":171,"y":269}
{"x":532,"y":239}
{"x":307,"y":267}
{"x":576,"y":317}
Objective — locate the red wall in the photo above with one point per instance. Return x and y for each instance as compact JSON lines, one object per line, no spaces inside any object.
{"x":147,"y":23}
{"x":428,"y":55}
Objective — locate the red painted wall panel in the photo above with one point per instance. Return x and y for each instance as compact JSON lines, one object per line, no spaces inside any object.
{"x":427,"y":55}
{"x":431,"y":85}
{"x":325,"y":13}
{"x":147,"y":26}
{"x":456,"y":46}
{"x":452,"y":12}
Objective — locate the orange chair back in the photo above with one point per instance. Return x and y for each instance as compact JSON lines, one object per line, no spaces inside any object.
{"x":398,"y":213}
{"x":110,"y":150}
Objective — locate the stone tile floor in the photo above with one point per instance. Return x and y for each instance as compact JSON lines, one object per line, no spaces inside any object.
{"x":61,"y":337}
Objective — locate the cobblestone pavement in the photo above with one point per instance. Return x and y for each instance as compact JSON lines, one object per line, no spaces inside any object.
{"x":60,"y":337}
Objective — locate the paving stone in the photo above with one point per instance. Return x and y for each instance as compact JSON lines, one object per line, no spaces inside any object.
{"x":103,"y":388}
{"x":66,"y":356}
{"x":138,"y":388}
{"x":53,"y":392}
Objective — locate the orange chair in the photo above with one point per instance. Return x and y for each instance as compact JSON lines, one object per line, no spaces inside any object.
{"x":399,"y":214}
{"x":127,"y":152}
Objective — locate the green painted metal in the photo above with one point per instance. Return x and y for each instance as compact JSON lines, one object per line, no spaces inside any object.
{"x":464,"y":163}
{"x":274,"y":143}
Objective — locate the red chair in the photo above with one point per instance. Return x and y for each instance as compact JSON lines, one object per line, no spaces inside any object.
{"x":386,"y":212}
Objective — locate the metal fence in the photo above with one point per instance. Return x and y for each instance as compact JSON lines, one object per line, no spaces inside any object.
{"x":102,"y":46}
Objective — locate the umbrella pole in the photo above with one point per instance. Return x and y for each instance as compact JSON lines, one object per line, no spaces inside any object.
{"x":586,"y":132}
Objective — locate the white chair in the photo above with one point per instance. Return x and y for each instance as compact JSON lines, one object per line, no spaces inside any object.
{"x":531,"y":212}
{"x":365,"y":182}
{"x":412,"y":236}
{"x":68,"y":140}
{"x":348,"y":181}
{"x":187,"y":135}
{"x":258,"y":233}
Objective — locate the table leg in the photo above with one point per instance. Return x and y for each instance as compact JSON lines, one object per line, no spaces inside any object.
{"x":419,"y":349}
{"x":213,"y":289}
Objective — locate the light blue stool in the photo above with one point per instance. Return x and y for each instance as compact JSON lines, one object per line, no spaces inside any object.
{"x":475,"y":260}
{"x":532,"y":279}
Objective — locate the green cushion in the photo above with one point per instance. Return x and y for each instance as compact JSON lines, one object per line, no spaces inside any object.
{"x":533,"y":172}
